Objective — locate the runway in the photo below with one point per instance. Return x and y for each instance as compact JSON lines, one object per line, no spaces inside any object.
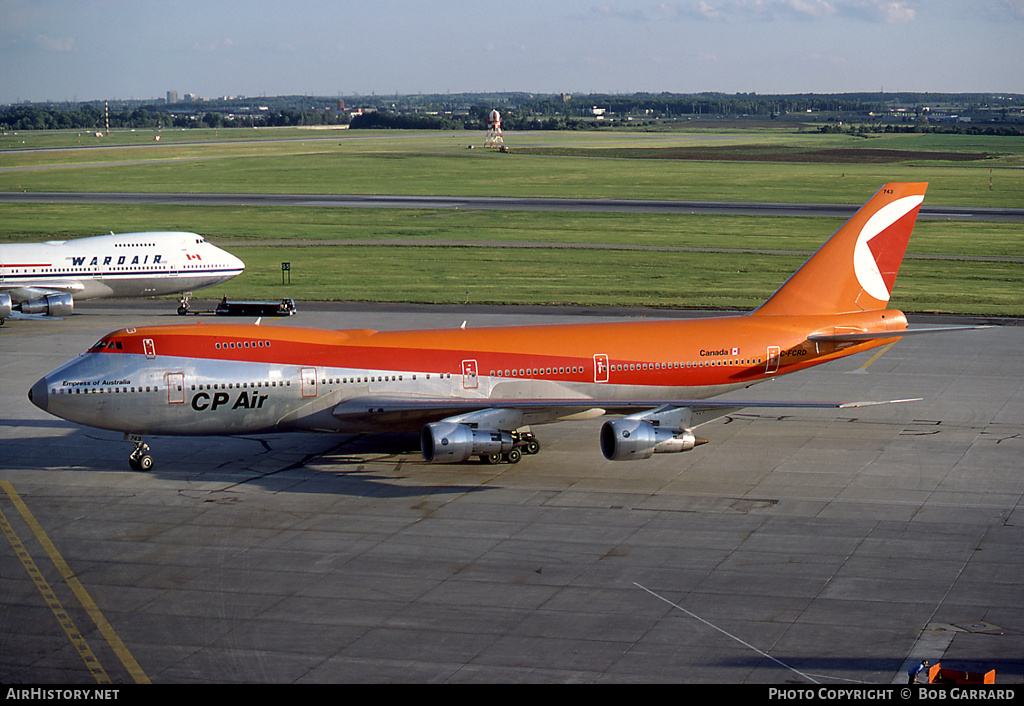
{"x":796,"y":548}
{"x":493,"y":203}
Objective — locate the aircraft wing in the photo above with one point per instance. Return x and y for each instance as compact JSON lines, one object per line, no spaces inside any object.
{"x":874,"y":335}
{"x":408,"y":413}
{"x":41,"y":289}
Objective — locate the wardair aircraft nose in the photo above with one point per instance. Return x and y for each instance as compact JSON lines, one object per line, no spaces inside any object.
{"x":39,"y":394}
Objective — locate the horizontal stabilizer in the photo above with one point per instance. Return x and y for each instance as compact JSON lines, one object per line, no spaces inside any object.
{"x":875,"y":335}
{"x":852,"y":405}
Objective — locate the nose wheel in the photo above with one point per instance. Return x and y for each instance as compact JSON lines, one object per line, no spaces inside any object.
{"x":183,"y":306}
{"x":139,"y":460}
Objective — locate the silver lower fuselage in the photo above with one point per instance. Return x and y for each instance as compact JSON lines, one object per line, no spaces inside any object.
{"x":186,"y":396}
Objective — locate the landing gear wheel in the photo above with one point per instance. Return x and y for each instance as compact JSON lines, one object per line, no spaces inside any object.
{"x":491,"y":458}
{"x":142,"y":463}
{"x":139,"y":460}
{"x":183,"y":306}
{"x":513,"y":456}
{"x":532,"y":447}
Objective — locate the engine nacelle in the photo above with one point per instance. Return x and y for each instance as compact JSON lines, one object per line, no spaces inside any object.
{"x":5,"y":306}
{"x":50,"y":305}
{"x":633,"y":439}
{"x":448,"y":442}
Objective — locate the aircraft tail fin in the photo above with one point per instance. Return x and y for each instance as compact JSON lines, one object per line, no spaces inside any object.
{"x":856,"y":268}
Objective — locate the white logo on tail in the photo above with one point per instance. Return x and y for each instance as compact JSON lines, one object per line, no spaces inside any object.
{"x":864,"y":264}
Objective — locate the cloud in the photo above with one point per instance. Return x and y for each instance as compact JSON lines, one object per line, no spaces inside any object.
{"x":1016,"y":8}
{"x":704,"y":10}
{"x":209,"y":47}
{"x":809,"y":8}
{"x":52,"y":44}
{"x":885,"y":11}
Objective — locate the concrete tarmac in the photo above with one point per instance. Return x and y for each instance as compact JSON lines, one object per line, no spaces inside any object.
{"x":796,"y":548}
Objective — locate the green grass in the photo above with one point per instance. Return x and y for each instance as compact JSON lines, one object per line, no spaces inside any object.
{"x":233,"y":226}
{"x":442,"y":164}
{"x":590,"y":277}
{"x":601,"y":164}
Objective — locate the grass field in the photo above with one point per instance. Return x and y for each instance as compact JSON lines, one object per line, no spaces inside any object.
{"x":559,"y":257}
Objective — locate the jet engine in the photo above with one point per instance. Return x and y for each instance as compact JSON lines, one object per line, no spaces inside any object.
{"x":5,"y":306}
{"x":50,"y":305}
{"x":448,"y":442}
{"x":633,"y":439}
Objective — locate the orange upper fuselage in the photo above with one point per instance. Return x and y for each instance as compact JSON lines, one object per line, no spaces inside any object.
{"x":698,"y":353}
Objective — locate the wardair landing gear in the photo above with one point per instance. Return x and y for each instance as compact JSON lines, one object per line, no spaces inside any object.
{"x":183,"y":303}
{"x":522,"y":442}
{"x":139,"y":460}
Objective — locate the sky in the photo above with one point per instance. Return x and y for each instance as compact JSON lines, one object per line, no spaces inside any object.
{"x":81,"y":50}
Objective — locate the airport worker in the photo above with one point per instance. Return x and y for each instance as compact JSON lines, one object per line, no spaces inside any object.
{"x":914,"y":671}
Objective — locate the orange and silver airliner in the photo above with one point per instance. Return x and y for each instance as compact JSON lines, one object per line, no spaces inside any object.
{"x":475,"y":392}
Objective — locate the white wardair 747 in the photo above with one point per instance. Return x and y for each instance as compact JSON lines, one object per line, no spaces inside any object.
{"x":47,"y":278}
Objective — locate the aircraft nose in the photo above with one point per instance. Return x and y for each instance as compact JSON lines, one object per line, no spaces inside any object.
{"x":39,"y":394}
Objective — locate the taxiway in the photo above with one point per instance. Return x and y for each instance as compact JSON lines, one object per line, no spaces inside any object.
{"x":796,"y":547}
{"x":501,"y":203}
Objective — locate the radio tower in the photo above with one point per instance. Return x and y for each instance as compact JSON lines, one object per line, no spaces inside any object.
{"x":495,"y":137}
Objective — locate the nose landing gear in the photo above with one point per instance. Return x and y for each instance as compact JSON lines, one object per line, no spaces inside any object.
{"x":139,"y":460}
{"x":183,"y":306}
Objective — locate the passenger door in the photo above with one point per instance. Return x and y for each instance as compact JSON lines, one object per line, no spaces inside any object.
{"x":470,"y":375}
{"x":309,"y":382}
{"x":175,"y":388}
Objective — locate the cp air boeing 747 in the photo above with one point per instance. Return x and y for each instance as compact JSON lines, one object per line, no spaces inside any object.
{"x":47,"y":278}
{"x":475,"y":392}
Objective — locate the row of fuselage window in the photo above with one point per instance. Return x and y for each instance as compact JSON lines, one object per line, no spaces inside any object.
{"x":357,"y":379}
{"x":156,"y":388}
{"x":521,"y":372}
{"x":534,"y":372}
{"x":323,"y":381}
{"x":96,"y":269}
{"x":241,"y":344}
{"x":627,"y":367}
{"x":94,"y":390}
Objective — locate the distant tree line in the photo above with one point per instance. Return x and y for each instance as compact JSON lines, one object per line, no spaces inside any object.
{"x":519,"y":110}
{"x":939,"y":129}
{"x":90,"y":117}
{"x":384,"y":120}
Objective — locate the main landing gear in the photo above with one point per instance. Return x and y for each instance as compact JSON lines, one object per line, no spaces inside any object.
{"x":522,"y":442}
{"x":139,"y":460}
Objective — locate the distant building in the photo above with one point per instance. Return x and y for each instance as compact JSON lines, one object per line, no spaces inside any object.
{"x":172,"y":96}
